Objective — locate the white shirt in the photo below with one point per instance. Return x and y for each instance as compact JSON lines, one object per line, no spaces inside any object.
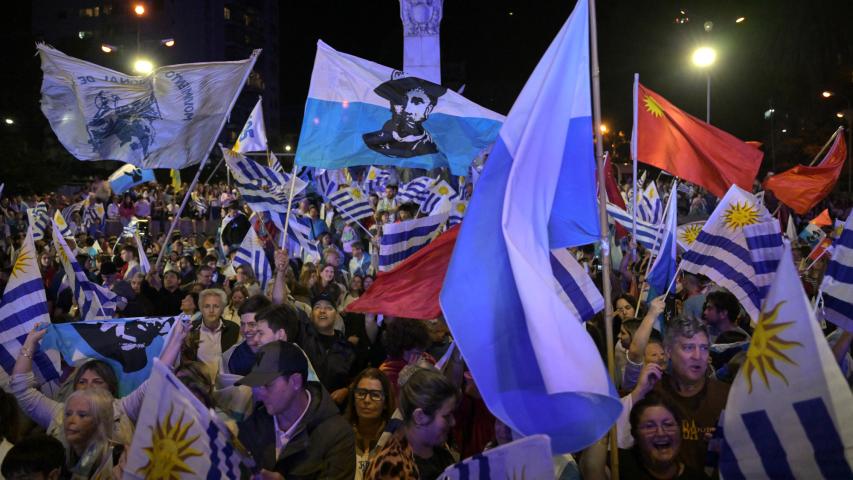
{"x":210,"y":345}
{"x":283,"y":438}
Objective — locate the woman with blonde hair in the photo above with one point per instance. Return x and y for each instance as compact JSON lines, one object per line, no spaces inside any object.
{"x":91,"y":449}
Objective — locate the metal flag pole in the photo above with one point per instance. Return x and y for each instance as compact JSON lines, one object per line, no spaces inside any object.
{"x":602,"y":219}
{"x":289,"y":204}
{"x":634,"y":160}
{"x":826,"y":145}
{"x":192,"y":186}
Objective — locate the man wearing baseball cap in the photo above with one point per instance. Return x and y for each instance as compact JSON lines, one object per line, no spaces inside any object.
{"x":297,"y":432}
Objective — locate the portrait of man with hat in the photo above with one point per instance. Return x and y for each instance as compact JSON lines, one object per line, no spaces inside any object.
{"x":412,"y":100}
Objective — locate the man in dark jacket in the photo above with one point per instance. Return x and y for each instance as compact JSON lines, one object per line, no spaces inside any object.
{"x":333,"y":357}
{"x":298,"y":431}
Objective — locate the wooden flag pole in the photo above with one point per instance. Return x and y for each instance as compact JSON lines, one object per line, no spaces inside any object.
{"x":826,"y":145}
{"x":602,"y":218}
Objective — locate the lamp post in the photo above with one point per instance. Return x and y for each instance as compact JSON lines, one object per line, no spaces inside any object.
{"x":848,"y":116}
{"x":704,"y":58}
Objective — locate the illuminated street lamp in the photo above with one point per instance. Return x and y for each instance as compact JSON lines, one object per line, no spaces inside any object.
{"x":740,"y":19}
{"x":826,"y":94}
{"x":604,"y":128}
{"x":287,"y":148}
{"x":107,"y":48}
{"x":846,"y":114}
{"x":168,"y":42}
{"x":139,"y":9}
{"x":143,"y":66}
{"x":704,"y":57}
{"x":9,"y":121}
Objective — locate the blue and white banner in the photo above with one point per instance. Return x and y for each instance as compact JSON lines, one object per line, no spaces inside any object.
{"x":789,"y":412}
{"x":39,"y":220}
{"x":651,"y":205}
{"x":129,"y":176}
{"x":264,"y":189}
{"x":576,"y":287}
{"x":362,"y":113}
{"x":169,"y":118}
{"x":299,"y":231}
{"x":23,"y":306}
{"x":253,"y":137}
{"x":376,"y":179}
{"x":647,"y":234}
{"x":251,"y":253}
{"x":457,"y":212}
{"x":438,"y":199}
{"x":687,"y":233}
{"x":62,"y":226}
{"x":352,"y":203}
{"x":176,"y":436}
{"x":837,"y":286}
{"x":662,"y":271}
{"x":537,"y":193}
{"x":401,"y":240}
{"x":528,"y":457}
{"x":415,"y":191}
{"x":128,"y":345}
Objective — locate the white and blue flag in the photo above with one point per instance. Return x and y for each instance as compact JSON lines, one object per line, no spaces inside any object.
{"x":64,"y":229}
{"x":362,"y":113}
{"x":457,"y":212}
{"x":722,"y":253}
{"x":577,"y":289}
{"x":647,"y":233}
{"x":129,"y":176}
{"x":169,"y":118}
{"x":534,"y":363}
{"x":23,"y":306}
{"x":415,"y":191}
{"x":251,"y":253}
{"x":438,"y":198}
{"x":176,"y":436}
{"x":39,"y":220}
{"x":328,"y":181}
{"x":662,"y":271}
{"x":401,"y":240}
{"x":837,"y":286}
{"x":264,"y":189}
{"x":299,"y":234}
{"x":789,"y":412}
{"x":253,"y":137}
{"x":651,"y":205}
{"x":352,"y":203}
{"x":376,"y":179}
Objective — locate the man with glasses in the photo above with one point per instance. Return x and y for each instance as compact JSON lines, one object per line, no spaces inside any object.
{"x":297,"y":432}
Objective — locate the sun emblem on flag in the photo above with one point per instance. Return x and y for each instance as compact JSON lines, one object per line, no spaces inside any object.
{"x":22,"y":262}
{"x":767,"y":348}
{"x":460,"y":207}
{"x":740,"y":214}
{"x":690,"y":233}
{"x":356,"y":193}
{"x":443,"y":190}
{"x":652,"y":106}
{"x":371,"y":175}
{"x":170,"y":448}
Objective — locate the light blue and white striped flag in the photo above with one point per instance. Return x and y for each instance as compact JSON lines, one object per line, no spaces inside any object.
{"x":651,"y":205}
{"x":721,"y":251}
{"x":251,"y":253}
{"x":39,"y":219}
{"x":789,"y":412}
{"x":527,"y":457}
{"x":24,"y":305}
{"x":352,"y":203}
{"x":401,"y":240}
{"x":64,"y":228}
{"x":576,"y":287}
{"x":438,"y":198}
{"x":376,"y":179}
{"x":457,"y":212}
{"x":662,"y":271}
{"x":204,"y":446}
{"x":415,"y":191}
{"x":128,"y":176}
{"x":647,"y":234}
{"x":299,"y":232}
{"x":328,"y":181}
{"x":764,"y":241}
{"x":837,"y":286}
{"x":264,"y":189}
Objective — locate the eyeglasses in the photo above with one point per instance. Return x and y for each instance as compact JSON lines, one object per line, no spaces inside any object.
{"x":652,"y":428}
{"x":375,"y":395}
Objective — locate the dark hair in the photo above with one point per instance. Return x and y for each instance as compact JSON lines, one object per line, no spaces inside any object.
{"x":129,"y":248}
{"x":723,"y":300}
{"x":389,"y":404}
{"x":628,"y":298}
{"x":631,"y":325}
{"x":254,"y":304}
{"x":101,"y":369}
{"x":426,"y":389}
{"x":653,"y":399}
{"x":405,"y":334}
{"x":686,"y":327}
{"x":38,"y":454}
{"x":193,"y":375}
{"x":278,"y":317}
{"x":194,"y":295}
{"x":10,"y":417}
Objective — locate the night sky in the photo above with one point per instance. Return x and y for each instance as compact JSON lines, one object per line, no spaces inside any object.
{"x":783,"y":55}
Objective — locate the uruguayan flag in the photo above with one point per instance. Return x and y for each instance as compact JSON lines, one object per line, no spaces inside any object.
{"x":415,"y":191}
{"x":251,"y":253}
{"x":176,"y":436}
{"x":39,"y":220}
{"x":688,"y":232}
{"x":528,"y":457}
{"x":62,"y":225}
{"x":537,"y":193}
{"x":401,"y":240}
{"x":169,"y":118}
{"x":299,"y":233}
{"x":439,"y":196}
{"x":95,"y":302}
{"x":264,"y":189}
{"x":647,"y":234}
{"x":144,"y":264}
{"x":275,"y":165}
{"x":721,"y":251}
{"x":253,"y":137}
{"x":837,"y":286}
{"x":361,"y":113}
{"x":24,"y":305}
{"x":352,"y":203}
{"x":93,"y":215}
{"x":662,"y":272}
{"x":765,"y":249}
{"x":651,"y":205}
{"x":376,"y":179}
{"x":129,"y":176}
{"x":577,"y":289}
{"x":789,"y":411}
{"x":457,"y":212}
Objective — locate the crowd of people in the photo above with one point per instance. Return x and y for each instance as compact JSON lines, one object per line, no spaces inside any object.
{"x":314,"y":391}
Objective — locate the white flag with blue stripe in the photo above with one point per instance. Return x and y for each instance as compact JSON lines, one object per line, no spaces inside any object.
{"x":647,"y":234}
{"x":837,"y":286}
{"x":60,"y":222}
{"x":253,"y":137}
{"x":764,"y":241}
{"x":575,"y":286}
{"x":176,"y":436}
{"x":401,"y":240}
{"x":789,"y":411}
{"x":662,"y":272}
{"x":376,"y":179}
{"x":39,"y":219}
{"x":251,"y":253}
{"x":439,"y":194}
{"x":415,"y":191}
{"x":721,"y":251}
{"x":299,"y":233}
{"x":457,"y":212}
{"x":264,"y":189}
{"x":24,"y":305}
{"x":651,"y":205}
{"x":352,"y":203}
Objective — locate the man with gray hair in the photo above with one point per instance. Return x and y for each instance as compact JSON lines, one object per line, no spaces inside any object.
{"x":214,"y":334}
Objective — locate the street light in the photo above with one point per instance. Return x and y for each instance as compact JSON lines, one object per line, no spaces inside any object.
{"x":143,"y":66}
{"x":604,"y":128}
{"x":848,"y":115}
{"x":9,"y":121}
{"x":139,"y":9}
{"x":704,"y":57}
{"x":840,"y":114}
{"x":168,"y":42}
{"x":107,"y":48}
{"x":826,"y":94}
{"x":287,"y":148}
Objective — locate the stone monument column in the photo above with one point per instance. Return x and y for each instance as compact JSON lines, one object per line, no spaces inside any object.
{"x":421,"y":45}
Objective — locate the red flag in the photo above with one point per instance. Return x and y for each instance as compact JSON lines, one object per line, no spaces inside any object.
{"x":411,"y":289}
{"x":613,"y":194}
{"x":822,"y":219}
{"x":802,"y":187}
{"x":687,"y":147}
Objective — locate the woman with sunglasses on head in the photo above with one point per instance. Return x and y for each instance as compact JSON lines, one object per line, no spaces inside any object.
{"x":371,"y":403}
